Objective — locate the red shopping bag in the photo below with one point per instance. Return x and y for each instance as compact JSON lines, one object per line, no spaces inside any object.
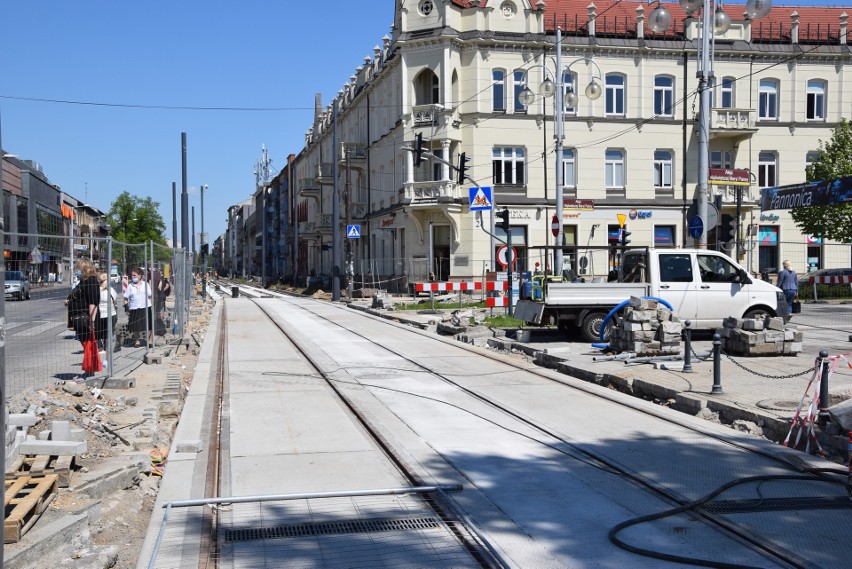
{"x":91,"y":357}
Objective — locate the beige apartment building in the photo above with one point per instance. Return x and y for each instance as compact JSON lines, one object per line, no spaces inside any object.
{"x":454,"y":73}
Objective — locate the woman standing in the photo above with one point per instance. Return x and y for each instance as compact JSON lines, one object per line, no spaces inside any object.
{"x":137,"y":299}
{"x":83,"y":304}
{"x":107,"y":308}
{"x":788,"y":281}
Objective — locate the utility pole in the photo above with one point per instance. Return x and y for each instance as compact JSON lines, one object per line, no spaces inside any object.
{"x":349,"y":268}
{"x":203,"y":248}
{"x":335,"y":211}
{"x":261,"y":179}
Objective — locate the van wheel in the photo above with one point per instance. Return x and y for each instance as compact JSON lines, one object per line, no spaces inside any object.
{"x":757,"y":314}
{"x":592,"y":326}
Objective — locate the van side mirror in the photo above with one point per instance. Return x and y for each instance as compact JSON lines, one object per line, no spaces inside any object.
{"x":742,"y":277}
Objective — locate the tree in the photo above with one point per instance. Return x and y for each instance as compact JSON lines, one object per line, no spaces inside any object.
{"x":136,"y":220}
{"x":835,"y":161}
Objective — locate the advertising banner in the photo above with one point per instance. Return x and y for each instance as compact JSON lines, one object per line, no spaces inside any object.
{"x":823,"y":192}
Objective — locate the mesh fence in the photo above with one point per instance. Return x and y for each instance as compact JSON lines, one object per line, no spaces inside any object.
{"x":43,"y":343}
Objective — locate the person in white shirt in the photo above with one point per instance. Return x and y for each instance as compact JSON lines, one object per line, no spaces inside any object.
{"x":137,"y":299}
{"x":107,"y":308}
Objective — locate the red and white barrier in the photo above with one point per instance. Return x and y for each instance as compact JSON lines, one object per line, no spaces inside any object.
{"x":845,"y":279}
{"x":495,"y":301}
{"x":460,"y":285}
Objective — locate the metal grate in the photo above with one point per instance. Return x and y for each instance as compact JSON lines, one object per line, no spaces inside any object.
{"x":331,"y":528}
{"x":777,"y":505}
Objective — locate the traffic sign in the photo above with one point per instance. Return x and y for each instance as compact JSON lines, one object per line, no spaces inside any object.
{"x":554,"y":225}
{"x":504,"y":257}
{"x":353,"y":231}
{"x":480,"y":199}
{"x":622,"y":219}
{"x":696,"y":227}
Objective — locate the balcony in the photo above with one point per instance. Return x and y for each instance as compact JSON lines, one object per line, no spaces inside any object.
{"x":732,"y":123}
{"x":357,"y":155}
{"x":309,"y":188}
{"x":432,"y":192}
{"x":325,"y":174}
{"x":325,"y":225}
{"x":436,"y":117}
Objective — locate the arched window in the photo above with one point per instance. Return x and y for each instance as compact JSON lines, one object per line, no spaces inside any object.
{"x":663,"y":96}
{"x":615,"y":87}
{"x":727,"y":98}
{"x":426,"y":88}
{"x":815,"y":100}
{"x":498,"y":90}
{"x":519,"y":83}
{"x":768,"y":100}
{"x":569,"y":85}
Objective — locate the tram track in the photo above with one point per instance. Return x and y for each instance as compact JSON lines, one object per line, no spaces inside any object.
{"x":778,"y":555}
{"x":478,"y":548}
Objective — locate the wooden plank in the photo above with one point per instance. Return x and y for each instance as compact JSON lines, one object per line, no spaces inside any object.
{"x":39,"y":464}
{"x":43,"y":464}
{"x":26,"y":499}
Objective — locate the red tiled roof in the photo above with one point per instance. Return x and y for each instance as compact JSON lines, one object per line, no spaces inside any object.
{"x":625,"y":10}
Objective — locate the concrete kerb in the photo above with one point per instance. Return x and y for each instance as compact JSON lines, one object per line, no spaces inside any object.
{"x":186,"y":471}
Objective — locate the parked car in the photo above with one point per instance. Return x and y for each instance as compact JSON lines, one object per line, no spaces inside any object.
{"x":17,"y":285}
{"x":114,"y":275}
{"x":806,"y":278}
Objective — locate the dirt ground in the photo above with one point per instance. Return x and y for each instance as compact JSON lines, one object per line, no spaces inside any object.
{"x":111,"y":421}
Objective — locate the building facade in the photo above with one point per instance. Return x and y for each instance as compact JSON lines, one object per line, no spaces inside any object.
{"x":454,"y":73}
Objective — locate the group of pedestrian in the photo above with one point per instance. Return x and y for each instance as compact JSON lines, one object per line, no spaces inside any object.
{"x":93,"y":302}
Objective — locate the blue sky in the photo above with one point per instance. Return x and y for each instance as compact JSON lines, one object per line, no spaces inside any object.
{"x":211,"y":53}
{"x":188,"y":53}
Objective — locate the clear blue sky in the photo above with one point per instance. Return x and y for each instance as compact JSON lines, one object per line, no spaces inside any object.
{"x":187,"y":53}
{"x":192,"y":53}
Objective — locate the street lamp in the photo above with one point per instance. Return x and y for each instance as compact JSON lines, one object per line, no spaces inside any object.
{"x":547,"y":88}
{"x":659,"y":21}
{"x":203,"y":247}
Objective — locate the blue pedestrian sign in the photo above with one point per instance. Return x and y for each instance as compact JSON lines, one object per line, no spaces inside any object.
{"x":480,"y":199}
{"x":696,"y":227}
{"x":353,"y":231}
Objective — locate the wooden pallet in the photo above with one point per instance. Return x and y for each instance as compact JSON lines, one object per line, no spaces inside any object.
{"x":26,"y":498}
{"x":42,"y":464}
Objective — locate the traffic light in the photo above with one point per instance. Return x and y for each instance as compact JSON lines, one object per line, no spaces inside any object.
{"x":727,"y":228}
{"x":418,"y":149}
{"x":503,"y":216}
{"x":205,"y":249}
{"x":625,"y":237}
{"x":463,"y":167}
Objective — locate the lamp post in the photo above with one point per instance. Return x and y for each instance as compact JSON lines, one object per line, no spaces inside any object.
{"x":547,"y":88}
{"x":203,"y":248}
{"x":659,"y":21}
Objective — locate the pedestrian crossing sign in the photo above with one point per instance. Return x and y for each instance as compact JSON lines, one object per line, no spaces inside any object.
{"x":480,"y":199}
{"x":353,"y":231}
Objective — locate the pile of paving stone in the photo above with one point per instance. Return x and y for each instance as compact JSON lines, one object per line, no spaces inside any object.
{"x":647,"y":328}
{"x":760,"y":337}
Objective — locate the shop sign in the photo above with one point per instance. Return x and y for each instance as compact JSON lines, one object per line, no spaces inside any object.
{"x":729,"y":177}
{"x":769,"y":217}
{"x":588,"y":205}
{"x":636,"y":214}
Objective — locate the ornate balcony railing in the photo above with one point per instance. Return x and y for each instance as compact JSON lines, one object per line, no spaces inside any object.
{"x":443,"y":191}
{"x":735,"y":121}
